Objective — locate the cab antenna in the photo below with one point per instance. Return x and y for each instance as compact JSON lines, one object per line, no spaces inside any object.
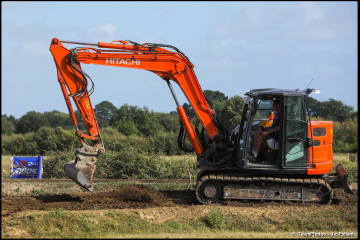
{"x":308,"y":84}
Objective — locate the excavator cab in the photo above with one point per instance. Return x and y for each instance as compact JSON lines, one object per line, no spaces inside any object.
{"x":290,"y":166}
{"x":288,"y":147}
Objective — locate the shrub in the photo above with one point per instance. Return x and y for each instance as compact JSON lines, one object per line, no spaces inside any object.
{"x":165,"y":142}
{"x":123,"y":165}
{"x":54,"y":163}
{"x":46,"y":139}
{"x":64,"y":139}
{"x":19,"y":144}
{"x":215,"y":219}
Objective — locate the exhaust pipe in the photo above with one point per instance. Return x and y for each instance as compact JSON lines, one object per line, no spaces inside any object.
{"x":81,"y":170}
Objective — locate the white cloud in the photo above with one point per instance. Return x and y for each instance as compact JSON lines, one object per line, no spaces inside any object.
{"x":36,"y":48}
{"x":5,"y":5}
{"x":309,"y":21}
{"x":224,"y":43}
{"x":103,"y":32}
{"x":254,"y":15}
{"x":309,"y":12}
{"x":321,"y":22}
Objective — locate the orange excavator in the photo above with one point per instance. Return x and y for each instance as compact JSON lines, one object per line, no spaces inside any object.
{"x":292,"y":165}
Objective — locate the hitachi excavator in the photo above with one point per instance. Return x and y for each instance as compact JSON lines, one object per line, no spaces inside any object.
{"x":292,"y":165}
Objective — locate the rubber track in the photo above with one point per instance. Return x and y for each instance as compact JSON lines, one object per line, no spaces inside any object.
{"x":233,"y":179}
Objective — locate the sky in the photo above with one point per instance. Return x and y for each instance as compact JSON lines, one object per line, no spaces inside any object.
{"x":234,"y":46}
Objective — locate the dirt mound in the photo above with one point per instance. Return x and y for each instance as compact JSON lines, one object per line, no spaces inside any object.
{"x":140,"y":193}
{"x":130,"y":196}
{"x":342,"y":198}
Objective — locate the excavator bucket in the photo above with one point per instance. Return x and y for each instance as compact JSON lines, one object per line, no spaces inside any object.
{"x":339,"y":179}
{"x":82,"y":175}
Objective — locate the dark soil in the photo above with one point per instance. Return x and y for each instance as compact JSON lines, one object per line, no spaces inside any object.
{"x":136,"y":197}
{"x":127,"y":196}
{"x":342,"y":198}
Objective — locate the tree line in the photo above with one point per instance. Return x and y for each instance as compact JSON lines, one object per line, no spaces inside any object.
{"x":148,"y":131}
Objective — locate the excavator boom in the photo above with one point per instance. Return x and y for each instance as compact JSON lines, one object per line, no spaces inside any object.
{"x":167,"y":64}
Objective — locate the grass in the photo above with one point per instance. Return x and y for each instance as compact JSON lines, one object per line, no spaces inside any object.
{"x":66,"y":224}
{"x":344,"y":157}
{"x":215,"y":219}
{"x":5,"y":165}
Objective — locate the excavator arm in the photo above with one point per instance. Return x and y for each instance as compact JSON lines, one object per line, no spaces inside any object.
{"x":167,"y":64}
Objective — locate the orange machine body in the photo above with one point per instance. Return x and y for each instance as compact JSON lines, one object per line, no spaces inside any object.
{"x":321,"y":152}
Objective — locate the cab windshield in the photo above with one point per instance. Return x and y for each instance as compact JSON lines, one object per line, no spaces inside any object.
{"x":264,"y":109}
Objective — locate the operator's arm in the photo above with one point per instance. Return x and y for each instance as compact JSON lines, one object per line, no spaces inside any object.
{"x":270,"y":131}
{"x":274,"y":127}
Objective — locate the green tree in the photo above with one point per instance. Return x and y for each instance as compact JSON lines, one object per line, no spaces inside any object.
{"x":12,"y":119}
{"x":354,"y":114}
{"x":45,"y":138}
{"x":217,"y":100}
{"x":313,"y":107}
{"x":230,"y":114}
{"x":126,"y":127}
{"x":7,"y":127}
{"x":19,"y":144}
{"x":133,"y":120}
{"x":64,"y":139}
{"x":336,"y":110}
{"x":104,"y":111}
{"x":170,"y":121}
{"x":31,"y":122}
{"x":58,"y":119}
{"x":215,"y":96}
{"x":332,"y":110}
{"x":346,"y":135}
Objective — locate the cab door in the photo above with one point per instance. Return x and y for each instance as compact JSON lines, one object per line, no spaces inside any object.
{"x":295,"y":149}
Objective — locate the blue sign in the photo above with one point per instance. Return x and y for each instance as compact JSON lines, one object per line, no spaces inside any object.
{"x":26,"y":167}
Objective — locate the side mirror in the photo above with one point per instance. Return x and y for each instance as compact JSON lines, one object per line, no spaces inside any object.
{"x":309,"y":143}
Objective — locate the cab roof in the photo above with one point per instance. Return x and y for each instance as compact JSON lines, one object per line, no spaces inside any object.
{"x":276,"y":92}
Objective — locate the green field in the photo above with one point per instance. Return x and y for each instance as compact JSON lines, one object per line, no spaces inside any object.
{"x":214,"y":224}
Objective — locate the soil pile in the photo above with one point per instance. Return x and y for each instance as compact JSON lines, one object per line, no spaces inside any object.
{"x":140,"y":193}
{"x":342,"y":198}
{"x":131,"y":196}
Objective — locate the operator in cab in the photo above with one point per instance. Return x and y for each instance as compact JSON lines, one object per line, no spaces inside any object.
{"x":260,"y":136}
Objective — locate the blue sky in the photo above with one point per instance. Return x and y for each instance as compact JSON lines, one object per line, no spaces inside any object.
{"x":235,"y":47}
